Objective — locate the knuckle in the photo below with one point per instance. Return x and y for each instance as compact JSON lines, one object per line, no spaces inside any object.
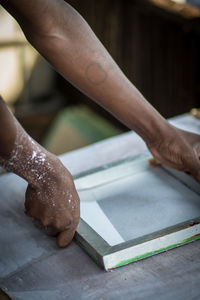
{"x":45,"y":222}
{"x":62,"y":224}
{"x":65,"y":238}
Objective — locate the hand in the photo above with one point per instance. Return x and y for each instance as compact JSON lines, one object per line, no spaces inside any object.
{"x":178,"y":149}
{"x":55,"y":204}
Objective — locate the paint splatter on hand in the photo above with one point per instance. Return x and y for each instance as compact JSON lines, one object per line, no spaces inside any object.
{"x":55,"y":203}
{"x":51,"y":196}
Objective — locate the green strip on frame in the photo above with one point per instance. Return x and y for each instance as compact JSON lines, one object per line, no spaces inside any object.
{"x":145,"y":255}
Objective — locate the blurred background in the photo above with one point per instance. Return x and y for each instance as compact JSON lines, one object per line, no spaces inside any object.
{"x":155,"y":42}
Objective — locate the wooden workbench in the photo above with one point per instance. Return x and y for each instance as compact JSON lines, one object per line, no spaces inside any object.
{"x":32,"y":267}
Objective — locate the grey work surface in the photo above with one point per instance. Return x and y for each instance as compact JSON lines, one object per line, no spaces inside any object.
{"x":31,"y":266}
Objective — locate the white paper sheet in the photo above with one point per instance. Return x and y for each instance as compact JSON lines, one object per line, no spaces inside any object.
{"x":99,"y":222}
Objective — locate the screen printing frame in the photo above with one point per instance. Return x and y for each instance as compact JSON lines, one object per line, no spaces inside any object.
{"x":110,"y":257}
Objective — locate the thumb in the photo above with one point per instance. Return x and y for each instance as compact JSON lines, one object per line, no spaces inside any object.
{"x":65,"y":238}
{"x":154,"y":162}
{"x":197,"y":175}
{"x":193,"y":166}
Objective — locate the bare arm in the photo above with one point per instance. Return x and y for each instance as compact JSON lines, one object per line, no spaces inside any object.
{"x":51,"y":196}
{"x":63,"y":37}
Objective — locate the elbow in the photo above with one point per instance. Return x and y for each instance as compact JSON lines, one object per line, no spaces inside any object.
{"x":52,"y":35}
{"x":48,"y":42}
{"x":43,"y":39}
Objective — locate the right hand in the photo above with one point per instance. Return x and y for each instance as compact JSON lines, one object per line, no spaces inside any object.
{"x":55,"y":203}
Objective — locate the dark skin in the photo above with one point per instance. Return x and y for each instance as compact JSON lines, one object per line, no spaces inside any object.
{"x":63,"y":37}
{"x":51,"y":196}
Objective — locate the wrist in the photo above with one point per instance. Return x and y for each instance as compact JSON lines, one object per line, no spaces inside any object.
{"x":153,"y":128}
{"x":29,"y":160}
{"x":161,"y":131}
{"x":37,"y":166}
{"x":147,"y":121}
{"x":131,"y":108}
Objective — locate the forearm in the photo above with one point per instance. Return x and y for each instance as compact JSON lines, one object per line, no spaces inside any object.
{"x":73,"y":49}
{"x":32,"y":15}
{"x":7,"y":130}
{"x":51,"y":196}
{"x":19,"y":153}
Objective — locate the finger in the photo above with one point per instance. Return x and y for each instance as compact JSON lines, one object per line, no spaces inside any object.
{"x":45,"y":221}
{"x":30,"y":203}
{"x":197,"y":176}
{"x":51,"y":231}
{"x":153,"y":162}
{"x":63,"y":222}
{"x":193,"y":167}
{"x":198,"y":151}
{"x":65,"y":238}
{"x":159,"y":159}
{"x":31,"y":210}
